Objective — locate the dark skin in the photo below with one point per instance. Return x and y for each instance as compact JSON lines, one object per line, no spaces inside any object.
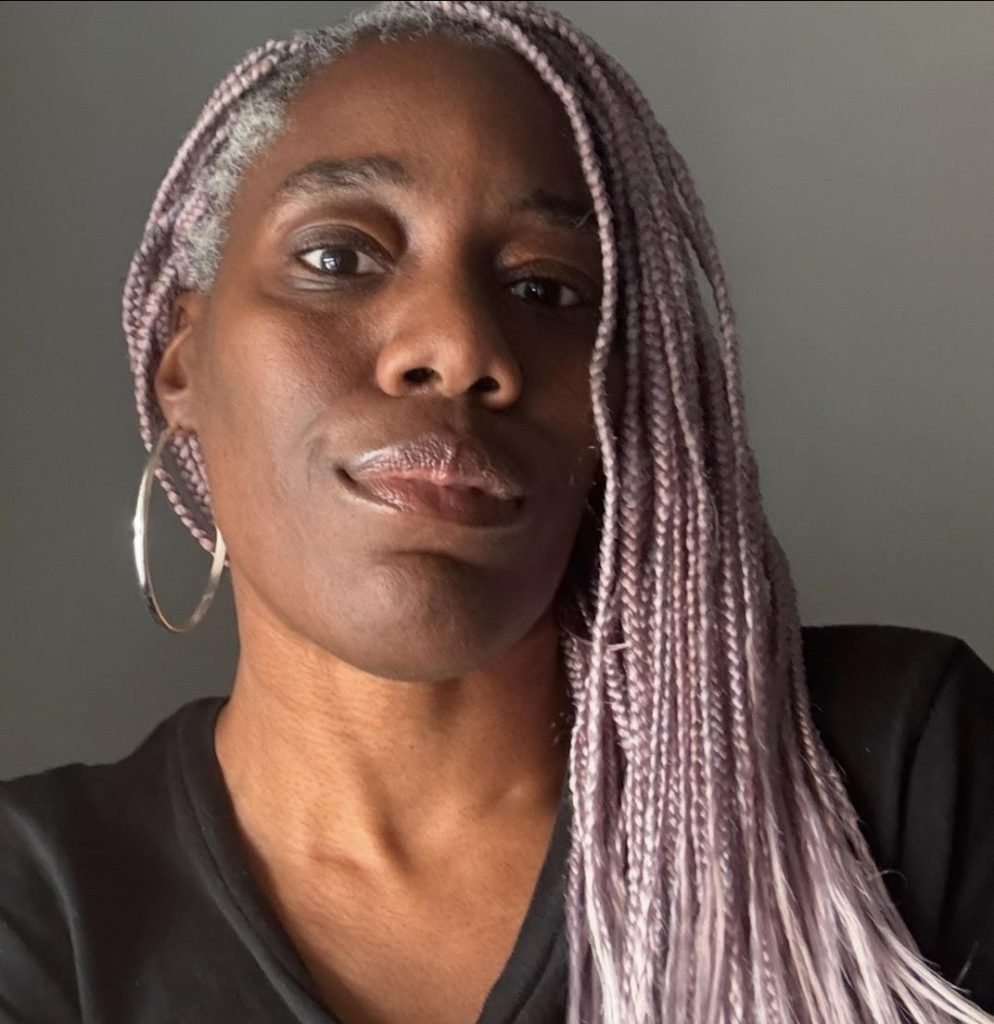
{"x":389,"y":739}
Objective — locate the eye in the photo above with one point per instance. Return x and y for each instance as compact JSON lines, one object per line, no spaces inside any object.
{"x":339,"y":260}
{"x":543,"y":287}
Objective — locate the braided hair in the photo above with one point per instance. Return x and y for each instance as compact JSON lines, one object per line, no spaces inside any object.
{"x":717,"y":871}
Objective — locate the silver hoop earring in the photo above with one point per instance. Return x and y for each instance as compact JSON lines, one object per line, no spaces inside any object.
{"x":140,"y":528}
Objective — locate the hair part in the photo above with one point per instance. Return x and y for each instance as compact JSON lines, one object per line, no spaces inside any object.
{"x":717,"y":869}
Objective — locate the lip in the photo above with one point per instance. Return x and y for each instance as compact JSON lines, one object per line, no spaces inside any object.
{"x":446,"y":460}
{"x":450,"y":477}
{"x":464,"y":506}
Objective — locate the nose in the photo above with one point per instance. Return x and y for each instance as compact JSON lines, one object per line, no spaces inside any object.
{"x":448,"y":342}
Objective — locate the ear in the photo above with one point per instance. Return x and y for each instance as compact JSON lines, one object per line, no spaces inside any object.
{"x":180,"y":368}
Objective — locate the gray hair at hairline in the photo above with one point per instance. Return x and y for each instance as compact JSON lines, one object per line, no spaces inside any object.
{"x":262,"y":116}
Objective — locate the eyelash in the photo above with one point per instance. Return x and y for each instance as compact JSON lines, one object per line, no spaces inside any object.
{"x":353,"y":245}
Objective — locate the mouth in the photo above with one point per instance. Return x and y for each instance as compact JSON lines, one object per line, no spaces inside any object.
{"x":461,"y":506}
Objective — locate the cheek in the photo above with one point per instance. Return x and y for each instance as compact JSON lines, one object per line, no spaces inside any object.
{"x":561,"y":401}
{"x":276,"y":371}
{"x":264,"y":390}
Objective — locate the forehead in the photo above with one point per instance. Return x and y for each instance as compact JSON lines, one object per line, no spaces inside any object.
{"x":459,"y":113}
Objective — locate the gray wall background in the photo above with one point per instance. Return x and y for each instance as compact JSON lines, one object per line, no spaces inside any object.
{"x":844,"y":152}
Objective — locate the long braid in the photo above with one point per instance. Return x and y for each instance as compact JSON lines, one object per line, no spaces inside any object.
{"x":717,"y":872}
{"x":644,"y":172}
{"x":638,"y":591}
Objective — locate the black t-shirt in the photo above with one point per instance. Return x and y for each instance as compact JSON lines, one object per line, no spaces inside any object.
{"x":126,"y":897}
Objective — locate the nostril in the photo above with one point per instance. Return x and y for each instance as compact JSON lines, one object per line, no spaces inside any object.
{"x":418,"y":376}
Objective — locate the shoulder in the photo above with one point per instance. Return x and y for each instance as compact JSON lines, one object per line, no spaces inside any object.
{"x":72,"y":840}
{"x":46,"y":802}
{"x":908,"y":716}
{"x":63,"y":806}
{"x":884,"y":664}
{"x":65,"y":821}
{"x":886,"y":696}
{"x":49,"y":817}
{"x":875,"y":689}
{"x":38,"y":919}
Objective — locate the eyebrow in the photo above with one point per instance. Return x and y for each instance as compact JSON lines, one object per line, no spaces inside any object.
{"x":356,"y":173}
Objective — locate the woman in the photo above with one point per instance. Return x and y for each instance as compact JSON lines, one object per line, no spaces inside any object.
{"x":524,"y":726}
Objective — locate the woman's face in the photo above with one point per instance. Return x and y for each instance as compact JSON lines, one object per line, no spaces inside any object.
{"x":439,"y":289}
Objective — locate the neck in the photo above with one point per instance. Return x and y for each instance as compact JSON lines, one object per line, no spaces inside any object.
{"x":325,"y":763}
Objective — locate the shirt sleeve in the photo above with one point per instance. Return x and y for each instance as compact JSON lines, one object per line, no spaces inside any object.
{"x":946,"y":828}
{"x":37,"y":973}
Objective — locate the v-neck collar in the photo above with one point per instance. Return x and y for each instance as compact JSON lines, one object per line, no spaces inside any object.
{"x":533,"y":976}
